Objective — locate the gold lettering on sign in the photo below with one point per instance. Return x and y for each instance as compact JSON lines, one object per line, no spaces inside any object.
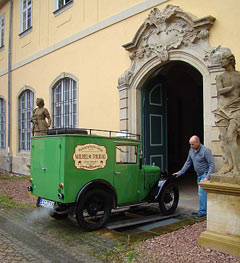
{"x":90,"y":156}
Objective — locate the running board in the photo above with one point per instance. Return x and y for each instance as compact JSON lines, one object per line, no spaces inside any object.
{"x":138,"y":221}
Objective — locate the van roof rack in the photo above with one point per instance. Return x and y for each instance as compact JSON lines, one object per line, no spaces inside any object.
{"x":90,"y":131}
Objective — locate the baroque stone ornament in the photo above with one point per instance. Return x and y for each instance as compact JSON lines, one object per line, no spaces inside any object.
{"x":161,"y":32}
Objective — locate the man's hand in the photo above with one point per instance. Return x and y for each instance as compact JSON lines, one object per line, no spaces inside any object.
{"x":175,"y":174}
{"x":205,"y":179}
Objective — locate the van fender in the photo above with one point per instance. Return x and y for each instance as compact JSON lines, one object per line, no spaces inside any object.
{"x":157,"y":189}
{"x":97,"y":184}
{"x":161,"y":184}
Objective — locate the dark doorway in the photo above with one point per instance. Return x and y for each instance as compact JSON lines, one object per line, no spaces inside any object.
{"x":182,"y":99}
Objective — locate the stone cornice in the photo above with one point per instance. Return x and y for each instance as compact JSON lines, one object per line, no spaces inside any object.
{"x":221,"y":188}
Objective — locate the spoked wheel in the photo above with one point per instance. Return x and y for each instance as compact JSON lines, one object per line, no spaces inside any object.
{"x":169,"y":199}
{"x":94,"y":209}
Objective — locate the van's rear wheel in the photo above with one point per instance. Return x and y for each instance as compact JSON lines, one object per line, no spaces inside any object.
{"x":94,"y":209}
{"x":169,"y":199}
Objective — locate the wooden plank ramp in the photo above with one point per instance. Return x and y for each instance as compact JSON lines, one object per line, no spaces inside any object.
{"x":138,"y":221}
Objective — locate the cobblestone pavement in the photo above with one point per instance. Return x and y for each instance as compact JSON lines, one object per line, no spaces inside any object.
{"x":29,"y":235}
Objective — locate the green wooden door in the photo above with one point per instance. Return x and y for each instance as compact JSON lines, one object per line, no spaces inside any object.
{"x":154,"y":105}
{"x":45,"y":166}
{"x":126,"y":174}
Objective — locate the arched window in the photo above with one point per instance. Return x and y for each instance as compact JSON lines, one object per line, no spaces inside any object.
{"x":2,"y":124}
{"x":25,"y":108}
{"x":64,"y":95}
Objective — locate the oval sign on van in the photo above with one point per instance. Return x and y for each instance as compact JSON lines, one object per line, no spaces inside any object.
{"x":90,"y":156}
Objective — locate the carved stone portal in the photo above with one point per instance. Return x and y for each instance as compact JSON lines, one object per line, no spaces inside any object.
{"x":171,"y":35}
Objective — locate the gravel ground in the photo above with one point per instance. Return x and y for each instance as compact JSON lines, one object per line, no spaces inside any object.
{"x":15,"y":188}
{"x":180,"y":246}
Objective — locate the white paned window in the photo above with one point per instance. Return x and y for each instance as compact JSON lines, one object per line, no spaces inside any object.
{"x":2,"y":25}
{"x":64,"y":96}
{"x":26,"y":15}
{"x":25,"y":108}
{"x":61,"y":3}
{"x":2,"y":124}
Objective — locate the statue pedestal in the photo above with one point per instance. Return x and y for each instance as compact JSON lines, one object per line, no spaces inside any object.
{"x":223,"y":214}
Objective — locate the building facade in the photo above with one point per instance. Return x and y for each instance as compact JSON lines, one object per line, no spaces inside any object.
{"x":146,"y":67}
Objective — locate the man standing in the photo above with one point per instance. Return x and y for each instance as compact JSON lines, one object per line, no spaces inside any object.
{"x":201,"y":158}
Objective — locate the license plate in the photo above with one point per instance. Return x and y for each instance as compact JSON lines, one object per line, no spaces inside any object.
{"x":46,"y":203}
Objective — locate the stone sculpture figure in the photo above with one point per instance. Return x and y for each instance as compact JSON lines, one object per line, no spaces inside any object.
{"x":40,"y":114}
{"x":227,"y":113}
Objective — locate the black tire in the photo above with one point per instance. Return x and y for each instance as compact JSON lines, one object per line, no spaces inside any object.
{"x":58,"y":216}
{"x":94,"y":209}
{"x":169,"y":197}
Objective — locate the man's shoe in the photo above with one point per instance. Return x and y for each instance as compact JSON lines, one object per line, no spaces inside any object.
{"x":198,"y":216}
{"x":194,"y":213}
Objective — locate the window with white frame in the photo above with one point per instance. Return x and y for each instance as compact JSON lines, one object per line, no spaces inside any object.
{"x":25,"y":108}
{"x":64,"y":95}
{"x":2,"y":25}
{"x":61,"y":3}
{"x":26,"y":15}
{"x":2,"y":124}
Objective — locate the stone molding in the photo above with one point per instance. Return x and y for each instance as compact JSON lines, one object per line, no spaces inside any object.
{"x":224,"y":243}
{"x":221,"y":188}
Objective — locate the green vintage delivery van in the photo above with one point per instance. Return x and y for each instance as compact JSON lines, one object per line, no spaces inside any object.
{"x":87,"y":173}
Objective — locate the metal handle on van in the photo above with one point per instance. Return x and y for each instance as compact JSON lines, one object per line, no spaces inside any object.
{"x":117,"y":173}
{"x":44,"y":169}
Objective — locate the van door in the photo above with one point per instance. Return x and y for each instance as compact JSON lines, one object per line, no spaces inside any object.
{"x":45,"y":166}
{"x":126,"y":173}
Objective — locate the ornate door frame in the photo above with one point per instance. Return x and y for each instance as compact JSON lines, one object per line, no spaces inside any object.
{"x":170,"y":35}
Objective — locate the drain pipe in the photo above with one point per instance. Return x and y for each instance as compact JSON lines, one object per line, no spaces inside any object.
{"x":9,"y":156}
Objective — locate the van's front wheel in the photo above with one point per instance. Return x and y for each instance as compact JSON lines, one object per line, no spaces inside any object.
{"x":94,"y":209}
{"x":169,"y":199}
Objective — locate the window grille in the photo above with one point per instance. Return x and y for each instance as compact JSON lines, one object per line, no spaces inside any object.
{"x":25,"y":109}
{"x":65,"y":104}
{"x":2,"y":124}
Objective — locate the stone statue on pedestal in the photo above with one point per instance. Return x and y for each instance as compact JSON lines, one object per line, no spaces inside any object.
{"x":40,"y":114}
{"x":227,"y":113}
